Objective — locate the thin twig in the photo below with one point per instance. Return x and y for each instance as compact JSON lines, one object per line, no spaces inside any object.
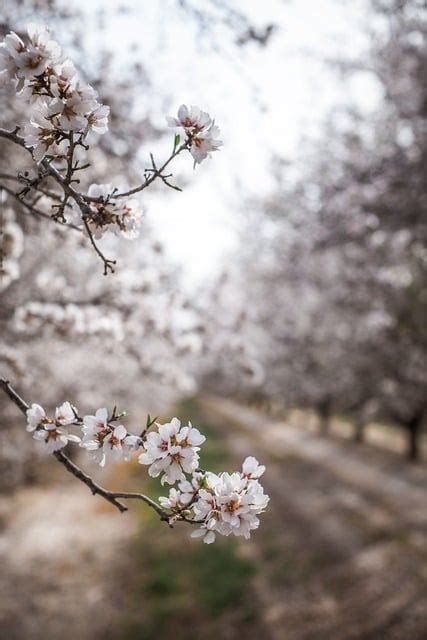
{"x":155,"y":173}
{"x":37,"y":212}
{"x":108,"y":264}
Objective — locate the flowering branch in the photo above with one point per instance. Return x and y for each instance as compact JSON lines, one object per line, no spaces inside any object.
{"x":227,"y":504}
{"x":65,"y":114}
{"x":96,"y":489}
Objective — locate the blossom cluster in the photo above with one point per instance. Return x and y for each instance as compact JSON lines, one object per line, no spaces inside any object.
{"x":122,"y":216}
{"x":103,"y":440}
{"x":200,"y":131}
{"x":225,"y":504}
{"x":64,"y":112}
{"x":53,"y":433}
{"x":64,"y":109}
{"x":173,"y":451}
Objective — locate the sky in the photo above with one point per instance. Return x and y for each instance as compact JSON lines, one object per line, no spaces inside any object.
{"x":266,"y":101}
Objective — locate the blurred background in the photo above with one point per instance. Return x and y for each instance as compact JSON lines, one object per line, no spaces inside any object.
{"x":278,"y":302}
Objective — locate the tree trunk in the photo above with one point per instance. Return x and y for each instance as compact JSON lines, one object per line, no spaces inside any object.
{"x":324,"y":411}
{"x":359,"y":430}
{"x":414,"y":426}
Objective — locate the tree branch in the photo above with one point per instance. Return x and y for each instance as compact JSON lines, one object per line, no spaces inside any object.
{"x":108,"y":264}
{"x":37,"y":212}
{"x":96,"y":489}
{"x":83,"y":200}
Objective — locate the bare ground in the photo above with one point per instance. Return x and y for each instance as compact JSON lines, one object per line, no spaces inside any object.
{"x":344,"y":541}
{"x":341,"y":553}
{"x":61,"y":551}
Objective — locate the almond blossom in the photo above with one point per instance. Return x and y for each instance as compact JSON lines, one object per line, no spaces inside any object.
{"x":64,"y":114}
{"x":118,"y":444}
{"x":41,"y":134}
{"x":97,"y":119}
{"x":36,"y":415}
{"x":200,"y":131}
{"x":128,"y":219}
{"x":172,"y":450}
{"x":52,"y":432}
{"x":54,"y":437}
{"x":192,"y":119}
{"x":251,"y":468}
{"x":65,"y":414}
{"x":120,"y":215}
{"x":26,"y":61}
{"x":204,"y":143}
{"x":41,"y":75}
{"x":190,"y":488}
{"x":173,"y":501}
{"x":102,"y":441}
{"x":229,"y":505}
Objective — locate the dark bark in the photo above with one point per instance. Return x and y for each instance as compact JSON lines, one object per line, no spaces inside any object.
{"x":359,"y":430}
{"x":324,"y":411}
{"x":414,"y":428}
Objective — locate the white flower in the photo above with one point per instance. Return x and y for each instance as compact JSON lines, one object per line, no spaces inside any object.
{"x":113,"y":443}
{"x":251,"y":468}
{"x":192,"y":119}
{"x":94,"y":429}
{"x":95,"y":424}
{"x":10,"y":50}
{"x":201,"y":131}
{"x":65,"y":414}
{"x":97,"y":119}
{"x":41,"y":40}
{"x":35,"y":416}
{"x":13,"y":46}
{"x":202,"y":144}
{"x":102,"y":441}
{"x":128,"y":217}
{"x":62,"y":80}
{"x":230,"y":504}
{"x":172,"y":450}
{"x":54,"y":437}
{"x":190,"y":436}
{"x":205,"y":533}
{"x":41,"y":133}
{"x":189,"y":489}
{"x":173,"y":501}
{"x":38,"y":55}
{"x":69,"y":112}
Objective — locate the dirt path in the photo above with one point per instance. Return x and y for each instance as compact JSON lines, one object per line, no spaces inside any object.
{"x":60,"y":561}
{"x":344,"y":542}
{"x":341,"y":554}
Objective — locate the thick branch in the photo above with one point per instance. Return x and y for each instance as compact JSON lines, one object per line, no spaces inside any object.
{"x":93,"y":486}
